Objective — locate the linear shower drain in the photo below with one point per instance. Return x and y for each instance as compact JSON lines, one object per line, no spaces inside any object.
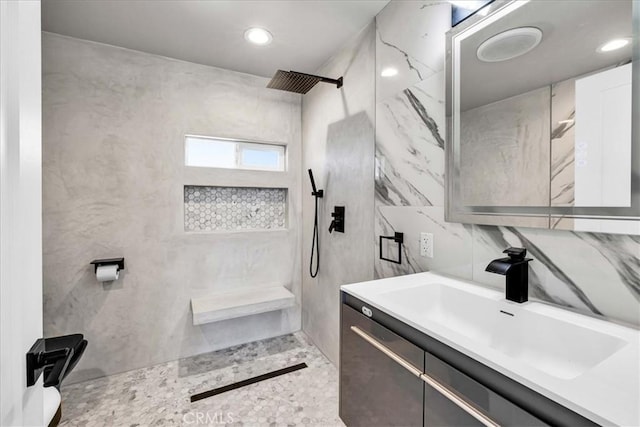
{"x":248,"y":381}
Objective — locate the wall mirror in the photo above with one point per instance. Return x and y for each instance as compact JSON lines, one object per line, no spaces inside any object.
{"x":543,"y":118}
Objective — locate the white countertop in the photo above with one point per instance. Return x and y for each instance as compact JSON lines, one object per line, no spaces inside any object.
{"x":608,"y":393}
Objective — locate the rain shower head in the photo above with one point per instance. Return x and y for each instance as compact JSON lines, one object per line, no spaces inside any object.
{"x":292,"y":81}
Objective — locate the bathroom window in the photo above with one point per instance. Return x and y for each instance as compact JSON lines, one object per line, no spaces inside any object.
{"x":231,"y":154}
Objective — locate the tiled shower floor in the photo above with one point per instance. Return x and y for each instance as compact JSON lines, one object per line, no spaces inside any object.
{"x":159,"y":395}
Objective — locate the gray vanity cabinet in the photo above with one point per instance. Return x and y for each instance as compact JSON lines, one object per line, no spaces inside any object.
{"x":385,"y":380}
{"x":374,"y":389}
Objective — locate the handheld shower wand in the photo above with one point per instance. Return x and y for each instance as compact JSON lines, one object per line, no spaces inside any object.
{"x":315,"y":192}
{"x":315,"y":242}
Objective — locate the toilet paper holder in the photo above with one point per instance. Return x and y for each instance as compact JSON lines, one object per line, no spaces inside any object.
{"x":108,"y":261}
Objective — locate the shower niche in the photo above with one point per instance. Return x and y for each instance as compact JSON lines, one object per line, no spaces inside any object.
{"x":215,"y":208}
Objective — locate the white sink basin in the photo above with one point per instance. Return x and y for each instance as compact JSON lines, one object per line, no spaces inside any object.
{"x":466,"y":313}
{"x":586,"y":364}
{"x":553,"y":344}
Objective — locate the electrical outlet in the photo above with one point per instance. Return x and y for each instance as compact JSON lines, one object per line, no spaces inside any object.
{"x":426,"y":245}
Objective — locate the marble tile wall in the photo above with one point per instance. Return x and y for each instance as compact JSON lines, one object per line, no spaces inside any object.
{"x":410,"y":132}
{"x":209,"y":208}
{"x":114,"y":122}
{"x":338,"y":144}
{"x":592,"y":273}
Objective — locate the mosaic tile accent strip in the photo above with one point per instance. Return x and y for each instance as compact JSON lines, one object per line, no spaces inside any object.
{"x":234,"y":208}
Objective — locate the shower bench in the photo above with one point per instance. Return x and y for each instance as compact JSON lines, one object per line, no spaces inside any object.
{"x":240,"y":303}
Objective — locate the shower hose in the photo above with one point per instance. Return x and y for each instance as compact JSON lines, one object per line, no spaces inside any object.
{"x":315,"y":244}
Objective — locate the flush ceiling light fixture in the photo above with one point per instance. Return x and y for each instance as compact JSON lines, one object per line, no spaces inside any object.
{"x":614,"y":44}
{"x":389,"y":72}
{"x":258,"y":36}
{"x":509,"y":44}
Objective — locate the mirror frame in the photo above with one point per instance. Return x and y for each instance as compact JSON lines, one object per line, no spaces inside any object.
{"x":608,"y":217}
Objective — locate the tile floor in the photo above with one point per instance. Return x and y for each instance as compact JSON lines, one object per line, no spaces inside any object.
{"x":159,"y":395}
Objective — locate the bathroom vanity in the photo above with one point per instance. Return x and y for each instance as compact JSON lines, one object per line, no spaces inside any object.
{"x":425,"y":349}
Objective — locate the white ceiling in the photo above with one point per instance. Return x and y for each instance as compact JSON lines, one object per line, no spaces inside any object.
{"x":211,"y":32}
{"x":572,"y":32}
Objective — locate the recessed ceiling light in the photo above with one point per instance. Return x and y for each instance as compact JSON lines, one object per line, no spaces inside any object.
{"x":509,"y":44}
{"x":258,"y":36}
{"x":613,"y":45}
{"x":389,"y":72}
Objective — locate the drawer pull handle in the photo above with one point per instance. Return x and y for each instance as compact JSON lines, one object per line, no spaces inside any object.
{"x":393,"y":356}
{"x":435,"y":384}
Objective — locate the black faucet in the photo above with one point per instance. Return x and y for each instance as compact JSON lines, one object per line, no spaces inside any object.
{"x":516,"y":268}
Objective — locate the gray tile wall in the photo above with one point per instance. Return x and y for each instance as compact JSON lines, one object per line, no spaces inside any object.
{"x":114,"y":122}
{"x":338,"y":132}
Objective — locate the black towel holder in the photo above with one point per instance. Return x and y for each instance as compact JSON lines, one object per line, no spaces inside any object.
{"x":399,"y":239}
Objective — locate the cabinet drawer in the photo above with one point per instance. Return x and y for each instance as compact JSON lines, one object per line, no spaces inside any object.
{"x":440,"y":411}
{"x":374,"y":389}
{"x":393,"y":341}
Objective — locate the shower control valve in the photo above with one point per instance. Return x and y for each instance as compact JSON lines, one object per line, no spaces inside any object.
{"x":337,"y":223}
